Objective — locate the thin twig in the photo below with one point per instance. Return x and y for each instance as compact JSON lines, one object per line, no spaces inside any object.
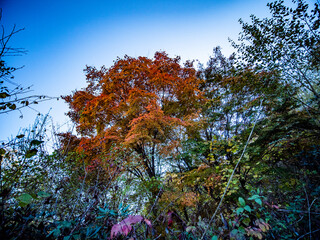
{"x":155,"y":201}
{"x":308,"y":233}
{"x":308,"y":211}
{"x":297,"y":211}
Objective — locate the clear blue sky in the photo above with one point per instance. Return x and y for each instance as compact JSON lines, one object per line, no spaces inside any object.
{"x":63,"y":36}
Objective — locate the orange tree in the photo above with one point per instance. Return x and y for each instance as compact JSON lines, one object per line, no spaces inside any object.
{"x":136,"y":112}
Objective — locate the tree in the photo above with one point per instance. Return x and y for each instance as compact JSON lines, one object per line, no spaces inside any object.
{"x":287,"y":42}
{"x":140,"y":105}
{"x":287,"y":144}
{"x":234,"y":93}
{"x":13,"y":96}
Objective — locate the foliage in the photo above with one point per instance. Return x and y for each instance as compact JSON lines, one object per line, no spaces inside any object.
{"x":124,"y":227}
{"x":139,"y":104}
{"x":158,"y":144}
{"x":288,"y":42}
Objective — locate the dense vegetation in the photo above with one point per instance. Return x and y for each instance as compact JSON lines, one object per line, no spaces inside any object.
{"x":167,"y":151}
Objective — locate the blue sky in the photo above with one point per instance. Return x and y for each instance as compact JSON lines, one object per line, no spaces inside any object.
{"x":63,"y":36}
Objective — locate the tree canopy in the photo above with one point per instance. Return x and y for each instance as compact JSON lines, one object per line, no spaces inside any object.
{"x":144,"y":105}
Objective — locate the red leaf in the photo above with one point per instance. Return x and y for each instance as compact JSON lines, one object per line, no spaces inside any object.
{"x":170,"y":219}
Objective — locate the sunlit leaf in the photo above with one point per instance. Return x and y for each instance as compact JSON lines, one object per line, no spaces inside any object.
{"x":25,"y":199}
{"x":258,"y":200}
{"x":239,"y":211}
{"x":247,"y":208}
{"x":242,"y":201}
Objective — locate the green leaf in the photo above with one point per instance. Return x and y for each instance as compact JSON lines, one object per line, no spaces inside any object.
{"x":31,"y":153}
{"x":241,"y":201}
{"x":247,"y":208}
{"x":234,"y":233}
{"x":253,"y":197}
{"x":258,"y":200}
{"x":25,"y":199}
{"x":239,"y":211}
{"x":246,"y":221}
{"x":4,"y":95}
{"x":124,"y":210}
{"x":78,"y":236}
{"x":214,"y":237}
{"x":65,"y":224}
{"x":2,"y":151}
{"x":96,"y":230}
{"x":43,"y":194}
{"x":56,"y":232}
{"x":242,"y":230}
{"x":35,"y":142}
{"x":12,"y":107}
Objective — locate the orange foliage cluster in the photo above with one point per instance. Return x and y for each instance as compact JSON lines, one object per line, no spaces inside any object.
{"x":180,"y":199}
{"x":139,"y":103}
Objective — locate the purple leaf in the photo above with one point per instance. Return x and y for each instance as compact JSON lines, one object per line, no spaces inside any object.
{"x":148,"y":222}
{"x":132,"y":219}
{"x":124,"y":227}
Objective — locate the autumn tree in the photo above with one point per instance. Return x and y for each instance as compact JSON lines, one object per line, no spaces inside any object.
{"x":139,"y":105}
